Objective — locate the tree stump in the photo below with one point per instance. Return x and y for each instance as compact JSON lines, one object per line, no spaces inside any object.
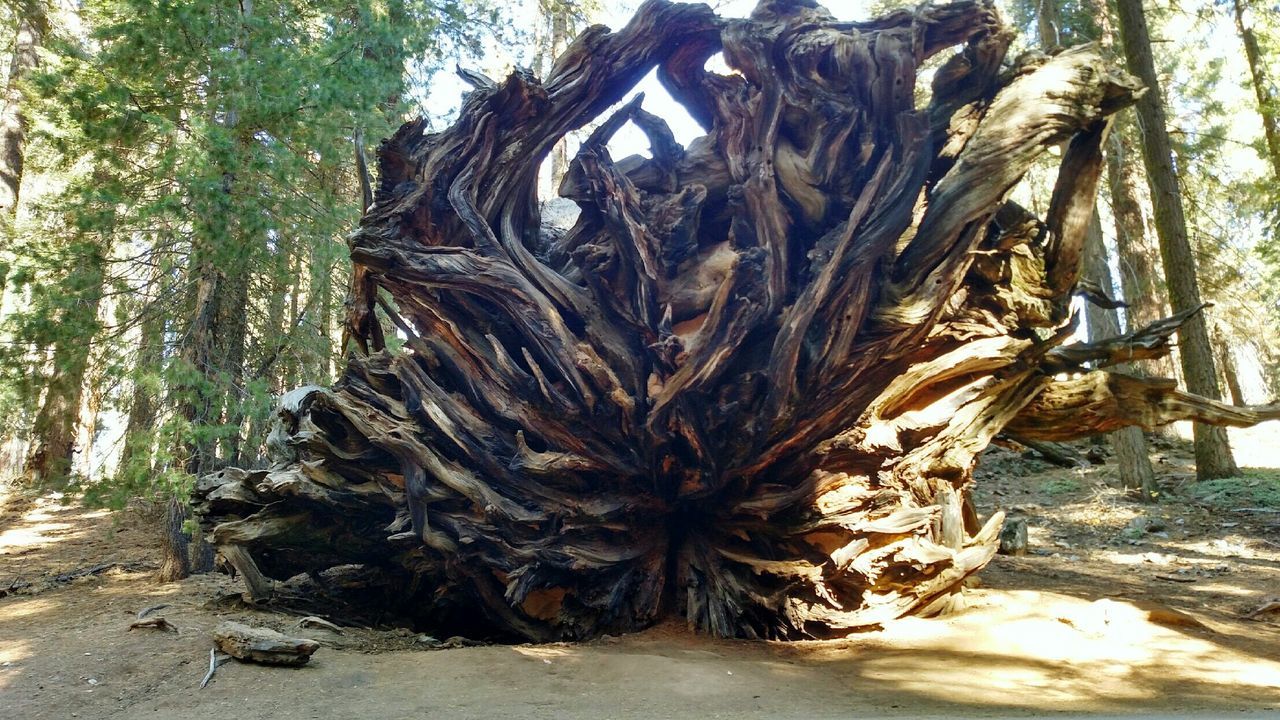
{"x":750,"y":384}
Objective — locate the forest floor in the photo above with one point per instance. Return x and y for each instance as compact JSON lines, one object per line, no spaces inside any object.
{"x":1117,"y":609}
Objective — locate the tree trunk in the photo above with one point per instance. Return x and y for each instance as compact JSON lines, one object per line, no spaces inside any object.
{"x":751,"y":384}
{"x":1141,"y":277}
{"x":1129,"y":444}
{"x":1212,"y":451}
{"x":175,"y":561}
{"x":1048,"y":24}
{"x":557,"y":26}
{"x":322,"y":317}
{"x":29,"y":38}
{"x":53,"y":434}
{"x":1132,"y":458}
{"x":139,"y":437}
{"x":1226,"y":361}
{"x":1262,"y":86}
{"x":213,"y":351}
{"x":1138,"y":254}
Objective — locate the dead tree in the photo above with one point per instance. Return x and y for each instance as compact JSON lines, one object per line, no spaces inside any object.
{"x":750,"y":385}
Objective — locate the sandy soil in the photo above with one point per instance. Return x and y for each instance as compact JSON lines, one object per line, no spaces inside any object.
{"x":1096,"y":620}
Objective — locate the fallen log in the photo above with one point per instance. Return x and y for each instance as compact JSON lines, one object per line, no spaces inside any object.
{"x":750,"y":384}
{"x":262,"y":645}
{"x":17,"y":585}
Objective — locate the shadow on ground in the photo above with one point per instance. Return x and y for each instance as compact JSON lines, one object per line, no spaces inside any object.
{"x":1077,"y":627}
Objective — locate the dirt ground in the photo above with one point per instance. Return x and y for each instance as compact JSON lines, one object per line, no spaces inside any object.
{"x":1118,"y":609}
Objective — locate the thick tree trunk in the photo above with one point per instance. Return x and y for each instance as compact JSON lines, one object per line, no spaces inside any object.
{"x":1262,"y":87}
{"x":1213,"y":452}
{"x":53,"y":434}
{"x":751,"y":384}
{"x":175,"y":561}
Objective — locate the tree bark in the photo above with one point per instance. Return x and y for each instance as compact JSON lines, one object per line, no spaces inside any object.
{"x":751,"y":384}
{"x":1133,"y":461}
{"x":33,"y":24}
{"x":175,"y":561}
{"x":1212,"y":451}
{"x":1230,"y":378}
{"x":139,"y":439}
{"x":1138,"y":254}
{"x":29,"y":37}
{"x":557,"y":22}
{"x":1130,"y":445}
{"x":1262,"y":86}
{"x":53,"y":434}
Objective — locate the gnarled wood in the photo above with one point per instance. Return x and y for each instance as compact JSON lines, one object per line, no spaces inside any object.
{"x":749,"y":385}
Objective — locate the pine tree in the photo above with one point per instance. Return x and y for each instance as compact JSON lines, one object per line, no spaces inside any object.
{"x":1212,"y":451}
{"x":210,"y":142}
{"x":1129,"y":443}
{"x":32,"y":24}
{"x":1262,"y":86}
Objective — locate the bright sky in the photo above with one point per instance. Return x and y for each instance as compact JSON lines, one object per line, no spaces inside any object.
{"x":446,"y":90}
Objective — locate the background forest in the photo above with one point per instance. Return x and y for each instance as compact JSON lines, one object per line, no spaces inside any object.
{"x":177,"y":179}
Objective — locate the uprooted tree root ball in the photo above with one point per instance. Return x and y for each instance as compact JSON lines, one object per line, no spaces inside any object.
{"x":750,"y":384}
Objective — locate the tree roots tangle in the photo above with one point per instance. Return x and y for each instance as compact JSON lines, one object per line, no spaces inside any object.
{"x":750,"y":383}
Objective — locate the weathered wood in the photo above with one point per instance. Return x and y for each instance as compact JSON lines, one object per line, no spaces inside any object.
{"x":1102,"y":402}
{"x":1059,"y":455}
{"x":749,"y":385}
{"x":260,"y":586}
{"x":262,"y":645}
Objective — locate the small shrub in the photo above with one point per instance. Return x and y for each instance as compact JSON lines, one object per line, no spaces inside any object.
{"x":1061,"y":486}
{"x":1256,"y":487}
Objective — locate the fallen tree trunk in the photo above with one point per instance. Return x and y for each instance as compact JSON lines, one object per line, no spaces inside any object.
{"x":750,"y":384}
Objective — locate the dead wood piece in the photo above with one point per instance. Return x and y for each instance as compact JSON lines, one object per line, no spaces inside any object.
{"x":316,"y":622}
{"x":262,"y":645}
{"x":153,"y":608}
{"x":215,"y":659}
{"x":1268,"y":606}
{"x":1059,"y":455}
{"x":260,"y":587}
{"x":62,"y":578}
{"x":155,"y":623}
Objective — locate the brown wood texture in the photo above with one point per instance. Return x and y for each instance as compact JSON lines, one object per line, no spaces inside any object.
{"x":1212,"y":450}
{"x":262,"y":645}
{"x":750,"y":385}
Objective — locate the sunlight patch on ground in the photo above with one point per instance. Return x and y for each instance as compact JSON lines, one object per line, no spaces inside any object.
{"x":1256,"y":446}
{"x":46,"y":522}
{"x":11,"y":656}
{"x":15,"y":610}
{"x":544,"y":653}
{"x":1030,"y":647}
{"x":34,"y":535}
{"x":1231,"y":546}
